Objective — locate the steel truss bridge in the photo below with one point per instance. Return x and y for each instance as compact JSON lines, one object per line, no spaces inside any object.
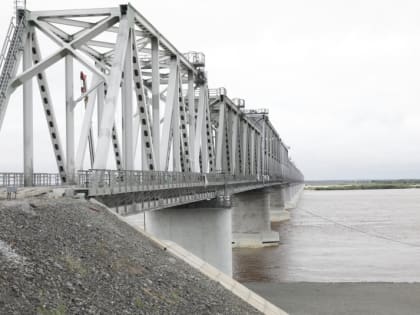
{"x":186,"y":141}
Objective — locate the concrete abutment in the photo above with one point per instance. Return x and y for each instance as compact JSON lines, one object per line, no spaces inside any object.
{"x":204,"y":231}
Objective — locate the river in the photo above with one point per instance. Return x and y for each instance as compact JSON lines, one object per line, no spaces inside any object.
{"x":341,"y":236}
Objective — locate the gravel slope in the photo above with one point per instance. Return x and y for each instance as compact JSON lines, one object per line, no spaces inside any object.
{"x":70,"y":256}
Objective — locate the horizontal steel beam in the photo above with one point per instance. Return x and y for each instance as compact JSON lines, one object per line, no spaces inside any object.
{"x":74,"y":13}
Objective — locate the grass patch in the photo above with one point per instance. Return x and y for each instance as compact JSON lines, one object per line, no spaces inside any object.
{"x":59,"y":310}
{"x":138,"y":303}
{"x":74,"y":265}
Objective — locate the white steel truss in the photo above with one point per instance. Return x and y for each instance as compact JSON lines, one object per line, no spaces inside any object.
{"x":147,"y":95}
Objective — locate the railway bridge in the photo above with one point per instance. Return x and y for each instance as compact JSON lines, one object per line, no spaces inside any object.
{"x":146,"y":134}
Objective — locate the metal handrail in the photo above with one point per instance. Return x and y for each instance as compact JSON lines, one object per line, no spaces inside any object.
{"x":38,"y":179}
{"x":8,"y":60}
{"x":260,"y":111}
{"x":122,"y":180}
{"x":7,"y":42}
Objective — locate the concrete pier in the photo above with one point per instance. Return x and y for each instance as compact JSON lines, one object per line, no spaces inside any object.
{"x":251,"y":220}
{"x":205,"y":232}
{"x":282,"y":199}
{"x":293,"y":193}
{"x":278,"y":213}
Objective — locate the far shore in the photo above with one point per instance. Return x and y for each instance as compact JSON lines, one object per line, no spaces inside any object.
{"x":363,"y":186}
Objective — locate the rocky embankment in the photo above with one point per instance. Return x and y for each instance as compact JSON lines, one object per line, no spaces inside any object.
{"x":68,"y":256}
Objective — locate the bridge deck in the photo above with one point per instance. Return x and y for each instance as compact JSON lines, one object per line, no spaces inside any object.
{"x":156,"y":190}
{"x":150,"y":190}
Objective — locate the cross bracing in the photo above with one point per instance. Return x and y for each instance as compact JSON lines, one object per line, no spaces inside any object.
{"x":145,"y":105}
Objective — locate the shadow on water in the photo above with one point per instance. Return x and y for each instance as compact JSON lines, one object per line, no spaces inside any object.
{"x":256,"y":264}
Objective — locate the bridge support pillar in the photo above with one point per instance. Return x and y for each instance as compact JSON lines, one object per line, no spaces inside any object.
{"x":278,"y":212}
{"x":292,"y":195}
{"x":205,"y":232}
{"x":251,"y":220}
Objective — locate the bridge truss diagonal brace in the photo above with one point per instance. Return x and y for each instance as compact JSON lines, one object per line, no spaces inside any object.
{"x":127,"y":109}
{"x":201,"y":112}
{"x":207,"y":137}
{"x":143,"y":118}
{"x":49,"y":111}
{"x":116,"y":147}
{"x":66,"y":48}
{"x":61,"y":38}
{"x":86,"y":125}
{"x":185,"y":145}
{"x":220,"y":137}
{"x":156,"y":100}
{"x":167,"y":129}
{"x":111,"y":98}
{"x":191,"y":113}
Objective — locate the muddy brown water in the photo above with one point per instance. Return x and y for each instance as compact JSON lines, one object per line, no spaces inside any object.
{"x":341,"y":236}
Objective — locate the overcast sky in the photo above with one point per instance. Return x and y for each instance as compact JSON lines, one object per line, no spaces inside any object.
{"x":341,"y":78}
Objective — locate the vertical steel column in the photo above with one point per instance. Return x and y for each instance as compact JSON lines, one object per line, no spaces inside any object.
{"x":69,"y":119}
{"x":156,"y":101}
{"x":239,"y":145}
{"x":28,"y":138}
{"x":272,"y":151}
{"x":258,"y":155}
{"x":269,"y":161}
{"x":263,"y":144}
{"x":252,"y":152}
{"x":278,"y":155}
{"x":101,"y":98}
{"x":220,"y":137}
{"x":234,"y":142}
{"x":127,"y":110}
{"x":244,"y":147}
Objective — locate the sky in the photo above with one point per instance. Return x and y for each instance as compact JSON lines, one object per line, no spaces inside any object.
{"x":340,"y":78}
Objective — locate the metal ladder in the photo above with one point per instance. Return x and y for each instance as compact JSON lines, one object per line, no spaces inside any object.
{"x":9,"y":59}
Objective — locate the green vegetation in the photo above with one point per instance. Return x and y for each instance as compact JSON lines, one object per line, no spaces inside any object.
{"x":138,"y":303}
{"x":59,"y":310}
{"x":74,"y":265}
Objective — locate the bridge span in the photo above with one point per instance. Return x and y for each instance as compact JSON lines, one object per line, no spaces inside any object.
{"x":146,"y":133}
